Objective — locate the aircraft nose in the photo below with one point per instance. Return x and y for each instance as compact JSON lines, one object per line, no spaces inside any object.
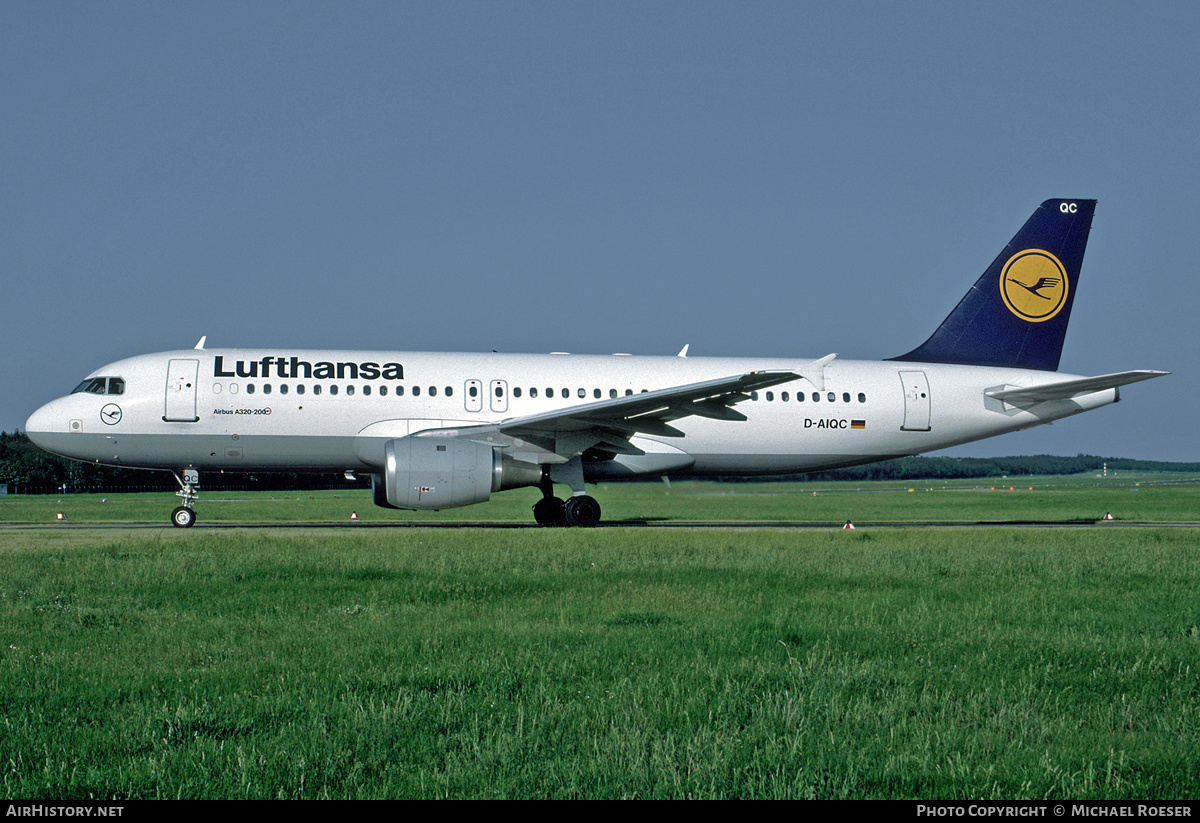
{"x":40,"y":425}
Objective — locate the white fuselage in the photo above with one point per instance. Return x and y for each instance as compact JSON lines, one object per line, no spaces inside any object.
{"x":285,"y":410}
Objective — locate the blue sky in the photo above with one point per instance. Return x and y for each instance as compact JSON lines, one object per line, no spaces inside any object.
{"x":747,"y":178}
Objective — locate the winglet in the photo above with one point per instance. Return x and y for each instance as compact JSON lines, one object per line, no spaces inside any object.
{"x":814,"y":372}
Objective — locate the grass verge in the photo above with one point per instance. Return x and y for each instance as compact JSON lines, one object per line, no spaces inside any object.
{"x":984,"y":663}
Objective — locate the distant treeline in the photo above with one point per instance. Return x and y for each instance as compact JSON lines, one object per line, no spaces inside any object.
{"x":28,"y":469}
{"x":948,"y":468}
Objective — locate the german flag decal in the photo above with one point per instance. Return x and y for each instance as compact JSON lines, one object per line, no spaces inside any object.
{"x":858,"y":424}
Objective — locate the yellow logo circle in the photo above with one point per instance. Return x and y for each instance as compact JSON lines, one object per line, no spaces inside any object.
{"x":1034,"y":285}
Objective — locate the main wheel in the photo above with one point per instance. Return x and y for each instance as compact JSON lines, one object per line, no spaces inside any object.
{"x":183,"y":517}
{"x":582,"y":511}
{"x":549,"y":512}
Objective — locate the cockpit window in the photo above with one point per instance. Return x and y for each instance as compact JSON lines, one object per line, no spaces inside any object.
{"x":101,"y":385}
{"x":94,"y":385}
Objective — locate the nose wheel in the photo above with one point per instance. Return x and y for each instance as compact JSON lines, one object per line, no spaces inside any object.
{"x":183,"y":517}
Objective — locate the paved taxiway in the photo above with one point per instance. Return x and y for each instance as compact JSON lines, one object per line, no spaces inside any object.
{"x":615,"y":524}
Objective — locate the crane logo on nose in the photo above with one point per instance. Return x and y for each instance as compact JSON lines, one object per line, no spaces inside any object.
{"x":111,"y":414}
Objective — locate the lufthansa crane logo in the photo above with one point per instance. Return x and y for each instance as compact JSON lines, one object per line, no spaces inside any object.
{"x":1034,"y":285}
{"x":111,"y":414}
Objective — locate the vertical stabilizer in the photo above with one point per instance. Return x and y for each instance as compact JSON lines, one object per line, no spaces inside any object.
{"x":1016,"y":314}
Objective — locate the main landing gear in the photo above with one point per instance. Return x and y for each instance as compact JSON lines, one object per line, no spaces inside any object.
{"x":578,"y":510}
{"x":189,"y":489}
{"x":581,"y":510}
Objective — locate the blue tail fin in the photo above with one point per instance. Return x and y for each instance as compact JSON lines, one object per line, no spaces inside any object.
{"x":1016,"y":314}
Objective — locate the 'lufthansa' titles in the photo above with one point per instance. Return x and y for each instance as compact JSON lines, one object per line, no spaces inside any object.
{"x":296,"y":369}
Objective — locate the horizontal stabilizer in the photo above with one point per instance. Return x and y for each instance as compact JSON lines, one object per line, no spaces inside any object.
{"x":1066,"y":389}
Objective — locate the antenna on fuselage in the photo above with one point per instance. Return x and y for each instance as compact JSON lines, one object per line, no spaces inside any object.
{"x":200,"y":342}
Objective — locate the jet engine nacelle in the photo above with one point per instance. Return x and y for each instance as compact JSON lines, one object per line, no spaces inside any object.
{"x":443,"y":473}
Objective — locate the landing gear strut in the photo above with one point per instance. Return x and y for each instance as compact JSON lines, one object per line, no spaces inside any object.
{"x":189,"y":490}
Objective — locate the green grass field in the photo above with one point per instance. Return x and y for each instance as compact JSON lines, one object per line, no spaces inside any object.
{"x":961,"y":663}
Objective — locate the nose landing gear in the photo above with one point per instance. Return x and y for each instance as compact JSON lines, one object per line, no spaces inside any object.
{"x":189,"y":490}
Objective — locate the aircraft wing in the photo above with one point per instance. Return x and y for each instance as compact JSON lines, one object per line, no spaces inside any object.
{"x":1066,"y":389}
{"x":651,"y":412}
{"x":558,"y":435}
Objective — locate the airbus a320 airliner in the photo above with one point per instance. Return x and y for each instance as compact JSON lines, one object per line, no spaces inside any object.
{"x":436,"y":431}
